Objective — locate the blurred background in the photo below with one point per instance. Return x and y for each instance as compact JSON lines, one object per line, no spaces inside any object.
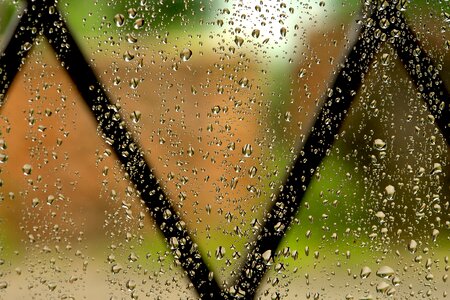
{"x":221,"y":96}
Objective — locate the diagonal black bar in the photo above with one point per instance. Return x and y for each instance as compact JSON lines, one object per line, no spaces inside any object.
{"x":424,"y":74}
{"x":328,"y":123}
{"x":115,"y":133}
{"x":15,"y":53}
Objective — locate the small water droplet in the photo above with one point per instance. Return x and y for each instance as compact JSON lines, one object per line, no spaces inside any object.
{"x":220,"y":252}
{"x":247,"y":150}
{"x":267,"y":255}
{"x":283,"y":31}
{"x":385,"y":59}
{"x":412,"y":246}
{"x":252,"y":171}
{"x":191,"y":151}
{"x":135,"y":116}
{"x":131,"y":284}
{"x":27,"y":168}
{"x":437,"y":168}
{"x":116,"y":268}
{"x":27,"y":46}
{"x":134,"y":82}
{"x":186,"y":54}
{"x":35,"y":202}
{"x":238,"y":41}
{"x":215,"y":110}
{"x":256,"y":33}
{"x":244,"y":82}
{"x":132,"y":13}
{"x":131,"y":39}
{"x":128,"y":56}
{"x":390,"y":191}
{"x":3,"y":145}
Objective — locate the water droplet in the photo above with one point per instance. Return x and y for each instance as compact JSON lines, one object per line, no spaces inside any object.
{"x":35,"y":202}
{"x":119,"y":19}
{"x":365,"y":272}
{"x":128,"y":56}
{"x":3,"y":145}
{"x":132,"y":257}
{"x":390,"y":191}
{"x":116,"y":268}
{"x":191,"y":151}
{"x":186,"y":54}
{"x":412,"y":246}
{"x":379,"y":145}
{"x":243,"y":82}
{"x":135,"y":116}
{"x":132,"y":13}
{"x":220,"y":252}
{"x":27,"y":46}
{"x":247,"y":150}
{"x":256,"y":33}
{"x":385,"y":272}
{"x":302,"y":73}
{"x":252,"y":171}
{"x":134,"y":82}
{"x":385,"y":59}
{"x":131,"y":39}
{"x":437,"y":168}
{"x":384,"y":23}
{"x":283,"y":31}
{"x":267,"y":255}
{"x":26,"y":169}
{"x":117,"y":80}
{"x":215,"y":110}
{"x":380,"y":215}
{"x":446,"y":16}
{"x":131,"y":284}
{"x":3,"y":285}
{"x":382,"y":287}
{"x":139,"y":23}
{"x":238,"y":41}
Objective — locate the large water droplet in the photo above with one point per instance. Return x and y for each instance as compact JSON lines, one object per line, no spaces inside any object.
{"x":385,"y":272}
{"x":365,"y":272}
{"x":379,"y":145}
{"x":119,"y":19}
{"x":139,"y":23}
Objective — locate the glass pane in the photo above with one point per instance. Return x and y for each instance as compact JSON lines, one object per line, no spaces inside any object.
{"x":221,"y":97}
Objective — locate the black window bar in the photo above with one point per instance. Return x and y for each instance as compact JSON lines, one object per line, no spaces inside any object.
{"x":41,"y":17}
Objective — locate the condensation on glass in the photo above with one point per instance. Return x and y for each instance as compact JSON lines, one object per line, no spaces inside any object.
{"x":224,"y":149}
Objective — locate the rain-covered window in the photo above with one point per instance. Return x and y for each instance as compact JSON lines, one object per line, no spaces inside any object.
{"x":251,"y":149}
